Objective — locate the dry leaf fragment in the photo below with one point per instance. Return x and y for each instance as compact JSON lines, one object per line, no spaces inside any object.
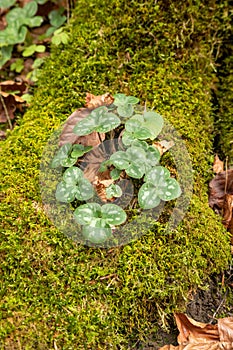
{"x":218,"y":165}
{"x":221,"y":184}
{"x":93,"y":101}
{"x":163,"y":146}
{"x":227,"y":209}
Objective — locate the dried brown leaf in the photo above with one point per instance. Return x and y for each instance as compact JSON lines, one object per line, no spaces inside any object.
{"x":93,"y":101}
{"x":163,"y":146}
{"x":227,"y":209}
{"x":202,"y":336}
{"x":218,"y":165}
{"x":12,"y":86}
{"x":221,"y":184}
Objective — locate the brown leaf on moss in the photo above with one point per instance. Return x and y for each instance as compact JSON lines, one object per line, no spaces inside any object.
{"x":218,"y":165}
{"x":202,"y":336}
{"x":163,"y":146}
{"x":93,"y":139}
{"x":93,"y":101}
{"x":14,"y":87}
{"x":227,"y":209}
{"x":221,"y":184}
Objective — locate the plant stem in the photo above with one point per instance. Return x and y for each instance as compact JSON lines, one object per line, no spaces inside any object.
{"x":6,"y":111}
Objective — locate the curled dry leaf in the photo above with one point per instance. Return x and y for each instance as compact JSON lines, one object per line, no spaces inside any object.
{"x":93,"y":139}
{"x":218,"y":165}
{"x":202,"y":336}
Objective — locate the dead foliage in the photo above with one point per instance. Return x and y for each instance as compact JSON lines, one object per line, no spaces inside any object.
{"x":202,"y":336}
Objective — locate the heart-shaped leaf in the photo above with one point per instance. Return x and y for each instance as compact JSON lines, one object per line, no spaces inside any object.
{"x":65,"y":192}
{"x":120,"y":160}
{"x":80,"y":150}
{"x":61,"y":155}
{"x":113,"y":214}
{"x":115,"y":174}
{"x":113,"y":191}
{"x":154,"y":122}
{"x":136,"y":170}
{"x":108,"y":122}
{"x":171,"y":191}
{"x":125,"y":110}
{"x":156,"y":174}
{"x":148,"y":196}
{"x":30,"y":9}
{"x":86,"y":213}
{"x":72,"y":175}
{"x":85,"y":126}
{"x":85,"y":190}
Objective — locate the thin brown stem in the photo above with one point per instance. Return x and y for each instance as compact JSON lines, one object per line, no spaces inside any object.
{"x":6,"y":111}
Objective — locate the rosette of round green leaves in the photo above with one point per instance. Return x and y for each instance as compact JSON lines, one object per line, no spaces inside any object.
{"x":73,"y":186}
{"x":142,"y":126}
{"x":136,"y":160}
{"x":97,"y":220}
{"x":158,"y":186}
{"x":68,"y":155}
{"x":100,"y":120}
{"x":125,"y":104}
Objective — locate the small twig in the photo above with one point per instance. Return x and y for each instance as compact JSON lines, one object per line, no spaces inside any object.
{"x":6,"y":111}
{"x":225,"y":190}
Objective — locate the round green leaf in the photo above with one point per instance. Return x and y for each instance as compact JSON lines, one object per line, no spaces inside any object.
{"x":85,"y":190}
{"x":30,"y":9}
{"x":154,"y":122}
{"x":34,"y":21}
{"x":4,"y":4}
{"x":108,"y":122}
{"x":131,"y":125}
{"x":113,"y":214}
{"x":125,"y":110}
{"x":115,"y":174}
{"x":148,"y":196}
{"x":85,"y":126}
{"x":120,"y":99}
{"x":97,"y":113}
{"x":136,"y":153}
{"x":113,"y":191}
{"x":120,"y":160}
{"x":128,"y":138}
{"x":65,"y":192}
{"x":132,"y":100}
{"x":171,"y":191}
{"x":98,"y":231}
{"x":72,"y":175}
{"x":136,"y":170}
{"x":157,"y":174}
{"x":87,"y":213}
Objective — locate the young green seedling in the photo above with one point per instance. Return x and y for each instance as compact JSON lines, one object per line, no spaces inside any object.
{"x":97,"y":220}
{"x":68,"y":155}
{"x":142,"y":126}
{"x":125,"y":104}
{"x":99,"y":120}
{"x":158,"y":186}
{"x":73,"y":186}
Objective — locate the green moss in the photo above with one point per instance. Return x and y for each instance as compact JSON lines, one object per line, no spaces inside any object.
{"x":56,"y":291}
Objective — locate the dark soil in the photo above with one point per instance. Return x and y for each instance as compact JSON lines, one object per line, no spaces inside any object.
{"x":214,"y":301}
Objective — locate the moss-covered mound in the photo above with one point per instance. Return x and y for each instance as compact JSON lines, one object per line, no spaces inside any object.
{"x":54,"y":293}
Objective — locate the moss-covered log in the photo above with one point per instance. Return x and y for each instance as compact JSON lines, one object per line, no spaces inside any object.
{"x":57,"y":292}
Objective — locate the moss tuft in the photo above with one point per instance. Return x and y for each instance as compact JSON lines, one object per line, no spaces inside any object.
{"x":57,"y":292}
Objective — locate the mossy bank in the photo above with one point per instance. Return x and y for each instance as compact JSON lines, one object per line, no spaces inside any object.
{"x":55,"y":293}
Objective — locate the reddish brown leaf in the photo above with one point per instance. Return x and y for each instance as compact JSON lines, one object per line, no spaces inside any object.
{"x":218,"y":165}
{"x":12,"y":86}
{"x":227,"y":209}
{"x":163,"y":146}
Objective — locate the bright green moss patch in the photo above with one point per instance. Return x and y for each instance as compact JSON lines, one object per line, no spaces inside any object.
{"x":56,"y":291}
